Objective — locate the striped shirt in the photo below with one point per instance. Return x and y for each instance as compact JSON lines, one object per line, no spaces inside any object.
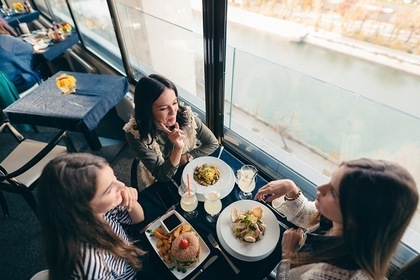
{"x":100,"y":264}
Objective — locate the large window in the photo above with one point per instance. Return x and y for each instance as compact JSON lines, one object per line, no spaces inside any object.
{"x":165,"y":37}
{"x":321,"y":82}
{"x":308,"y":84}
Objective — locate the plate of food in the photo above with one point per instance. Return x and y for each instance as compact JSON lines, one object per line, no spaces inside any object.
{"x":248,"y":230}
{"x":209,"y":172}
{"x":177,"y":243}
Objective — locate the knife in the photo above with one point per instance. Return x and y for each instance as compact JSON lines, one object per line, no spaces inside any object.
{"x":209,"y":262}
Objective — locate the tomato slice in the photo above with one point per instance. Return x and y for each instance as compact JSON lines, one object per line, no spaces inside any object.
{"x":183,"y":243}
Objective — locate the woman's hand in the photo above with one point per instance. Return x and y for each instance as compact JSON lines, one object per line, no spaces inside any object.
{"x":176,"y":135}
{"x":276,"y":189}
{"x":129,"y":197}
{"x":129,"y":201}
{"x":292,"y":240}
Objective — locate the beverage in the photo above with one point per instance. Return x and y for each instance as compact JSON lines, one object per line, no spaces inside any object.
{"x":212,"y":204}
{"x":189,"y":202}
{"x":246,"y":182}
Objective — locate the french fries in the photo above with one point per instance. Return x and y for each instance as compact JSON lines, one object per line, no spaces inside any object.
{"x":165,"y":240}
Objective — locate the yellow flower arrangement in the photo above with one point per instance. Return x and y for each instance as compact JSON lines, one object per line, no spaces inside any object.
{"x":18,"y":6}
{"x":66,"y":27}
{"x":66,"y":83}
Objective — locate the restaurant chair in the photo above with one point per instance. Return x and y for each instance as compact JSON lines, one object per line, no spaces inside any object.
{"x":134,"y":180}
{"x":21,"y":168}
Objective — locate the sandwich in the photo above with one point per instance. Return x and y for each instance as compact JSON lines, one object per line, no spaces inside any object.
{"x":185,"y":249}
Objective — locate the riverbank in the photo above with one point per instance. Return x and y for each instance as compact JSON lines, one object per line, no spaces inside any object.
{"x":298,"y":33}
{"x":371,"y":52}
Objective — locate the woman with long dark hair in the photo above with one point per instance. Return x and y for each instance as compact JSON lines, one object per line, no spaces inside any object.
{"x":163,"y":133}
{"x":83,"y":209}
{"x":354,"y":226}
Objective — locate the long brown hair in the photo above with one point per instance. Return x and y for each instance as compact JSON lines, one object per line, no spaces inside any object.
{"x":66,"y":186}
{"x":148,"y":90}
{"x":377,"y":200}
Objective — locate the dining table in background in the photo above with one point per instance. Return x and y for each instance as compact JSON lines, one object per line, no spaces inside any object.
{"x":45,"y":57}
{"x":153,"y":207}
{"x":81,"y":111}
{"x":15,"y":19}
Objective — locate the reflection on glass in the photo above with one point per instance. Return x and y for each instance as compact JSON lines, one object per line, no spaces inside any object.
{"x":97,"y":31}
{"x":165,"y":37}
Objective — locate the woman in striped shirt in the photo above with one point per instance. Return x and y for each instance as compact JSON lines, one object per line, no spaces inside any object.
{"x":82,"y":210}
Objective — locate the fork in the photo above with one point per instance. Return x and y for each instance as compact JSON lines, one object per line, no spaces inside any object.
{"x":216,"y":245}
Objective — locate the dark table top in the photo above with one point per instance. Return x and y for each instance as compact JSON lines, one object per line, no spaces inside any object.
{"x":154,"y":268}
{"x":15,"y":19}
{"x":57,"y":48}
{"x":47,"y":106}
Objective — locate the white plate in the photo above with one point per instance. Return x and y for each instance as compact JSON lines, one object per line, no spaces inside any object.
{"x":43,"y":47}
{"x":249,"y":252}
{"x":204,"y":250}
{"x":226,"y":174}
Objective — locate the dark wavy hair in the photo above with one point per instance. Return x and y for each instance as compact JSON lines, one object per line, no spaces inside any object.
{"x":66,"y":186}
{"x":147,"y":91}
{"x":378,"y":199}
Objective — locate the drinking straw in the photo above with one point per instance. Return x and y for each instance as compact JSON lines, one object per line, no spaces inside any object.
{"x":188,"y":184}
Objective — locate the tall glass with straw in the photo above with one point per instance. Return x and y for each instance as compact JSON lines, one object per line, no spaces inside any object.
{"x":189,"y":200}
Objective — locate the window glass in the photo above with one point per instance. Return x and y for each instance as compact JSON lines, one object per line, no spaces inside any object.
{"x":96,"y":30}
{"x":165,"y":37}
{"x":41,"y":5}
{"x":61,"y":11}
{"x":322,"y":82}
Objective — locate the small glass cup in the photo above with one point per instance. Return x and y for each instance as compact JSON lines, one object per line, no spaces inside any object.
{"x":246,"y":181}
{"x":212,"y":203}
{"x":189,"y":200}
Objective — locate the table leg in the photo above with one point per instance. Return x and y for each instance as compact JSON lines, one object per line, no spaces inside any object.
{"x":92,"y":139}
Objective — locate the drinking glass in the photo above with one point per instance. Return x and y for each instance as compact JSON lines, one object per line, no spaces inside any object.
{"x":189,"y":200}
{"x":212,"y":204}
{"x":246,"y":181}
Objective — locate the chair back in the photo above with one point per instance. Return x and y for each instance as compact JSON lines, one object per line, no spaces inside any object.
{"x":21,"y":168}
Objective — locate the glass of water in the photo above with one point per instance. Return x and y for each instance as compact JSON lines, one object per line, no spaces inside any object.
{"x":189,"y":200}
{"x":212,"y":204}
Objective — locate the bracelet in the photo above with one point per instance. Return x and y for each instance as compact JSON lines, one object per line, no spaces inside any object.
{"x":286,"y":198}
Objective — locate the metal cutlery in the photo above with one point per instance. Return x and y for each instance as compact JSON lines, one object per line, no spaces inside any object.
{"x":216,"y":245}
{"x":220,"y":151}
{"x":207,"y":264}
{"x":149,"y":224}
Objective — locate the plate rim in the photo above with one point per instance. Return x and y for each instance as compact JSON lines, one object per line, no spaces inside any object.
{"x":229,"y":185}
{"x":204,"y":249}
{"x":228,"y":248}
